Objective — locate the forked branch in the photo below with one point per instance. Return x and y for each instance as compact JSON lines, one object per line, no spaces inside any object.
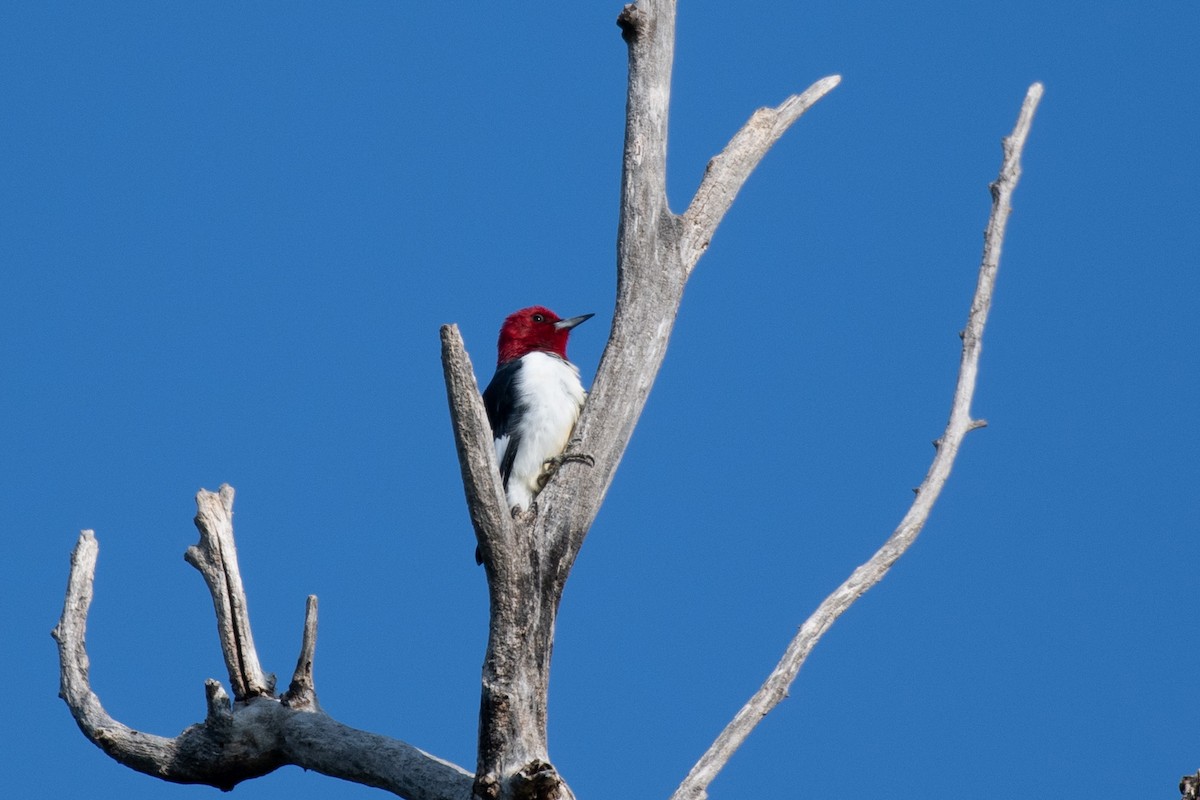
{"x":774,"y":690}
{"x":528,"y":559}
{"x":257,"y":733}
{"x":656,"y":252}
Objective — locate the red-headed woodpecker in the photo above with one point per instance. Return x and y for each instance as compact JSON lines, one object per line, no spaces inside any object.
{"x":533,"y":400}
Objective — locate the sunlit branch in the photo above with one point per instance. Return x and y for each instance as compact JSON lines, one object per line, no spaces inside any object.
{"x":774,"y":690}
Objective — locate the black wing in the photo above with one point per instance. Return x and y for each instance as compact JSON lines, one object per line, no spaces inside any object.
{"x":504,"y":413}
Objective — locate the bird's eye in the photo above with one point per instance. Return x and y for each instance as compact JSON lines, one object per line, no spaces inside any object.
{"x":538,"y":318}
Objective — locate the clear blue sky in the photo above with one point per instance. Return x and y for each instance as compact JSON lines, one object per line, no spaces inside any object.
{"x":229,"y":236}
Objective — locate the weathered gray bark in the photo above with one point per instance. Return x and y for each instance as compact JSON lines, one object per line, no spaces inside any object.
{"x":527,"y":558}
{"x":258,"y":732}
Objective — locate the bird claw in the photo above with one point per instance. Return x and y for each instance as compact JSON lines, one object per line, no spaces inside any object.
{"x":552,"y":465}
{"x":562,"y":458}
{"x":567,"y":455}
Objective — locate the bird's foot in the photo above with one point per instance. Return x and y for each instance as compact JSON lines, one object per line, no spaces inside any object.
{"x":562,"y":458}
{"x":569,"y":453}
{"x":552,"y":465}
{"x":529,"y":512}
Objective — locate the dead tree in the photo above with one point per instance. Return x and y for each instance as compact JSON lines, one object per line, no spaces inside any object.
{"x":528,"y":557}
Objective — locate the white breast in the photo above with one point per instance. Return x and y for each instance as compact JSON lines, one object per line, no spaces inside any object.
{"x":548,"y":389}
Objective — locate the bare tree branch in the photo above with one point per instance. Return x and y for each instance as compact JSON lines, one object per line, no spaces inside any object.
{"x":143,"y":752}
{"x":656,"y":252}
{"x":216,"y":558}
{"x":245,"y":739}
{"x":728,"y":171}
{"x":490,"y":516}
{"x":302,"y":692}
{"x":774,"y":690}
{"x":516,"y":668}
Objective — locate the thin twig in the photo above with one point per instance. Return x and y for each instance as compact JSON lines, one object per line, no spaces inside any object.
{"x":695,"y":785}
{"x":302,"y":692}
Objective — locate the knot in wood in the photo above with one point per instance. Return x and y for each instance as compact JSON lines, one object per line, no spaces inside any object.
{"x":1189,"y":787}
{"x":630,"y":21}
{"x":487,"y":787}
{"x":538,"y":780}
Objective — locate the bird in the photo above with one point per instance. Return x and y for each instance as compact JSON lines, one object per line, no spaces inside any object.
{"x":533,"y":400}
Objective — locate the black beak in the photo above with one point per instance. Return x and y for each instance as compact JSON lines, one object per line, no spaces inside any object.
{"x":567,"y":324}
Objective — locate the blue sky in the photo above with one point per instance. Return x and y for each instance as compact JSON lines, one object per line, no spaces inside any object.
{"x":229,"y":236}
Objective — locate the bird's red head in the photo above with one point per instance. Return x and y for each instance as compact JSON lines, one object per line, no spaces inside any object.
{"x":534,"y":329}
